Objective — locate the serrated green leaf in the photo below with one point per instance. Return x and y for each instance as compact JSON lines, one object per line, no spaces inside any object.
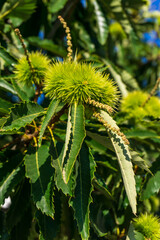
{"x":152,"y":187}
{"x":56,"y":151}
{"x":40,"y":172}
{"x":18,"y":8}
{"x":102,"y":187}
{"x":76,"y":139}
{"x":23,"y":96}
{"x":139,"y":236}
{"x":5,"y":105}
{"x":136,"y":159}
{"x":112,"y":68}
{"x":131,"y":234}
{"x":82,"y":196}
{"x":139,"y":133}
{"x":47,"y":45}
{"x":7,"y":86}
{"x":50,"y":112}
{"x":20,"y":204}
{"x":49,"y":227}
{"x":84,"y":38}
{"x":102,"y":25}
{"x":124,"y":159}
{"x":11,"y":180}
{"x":10,"y":60}
{"x":21,"y":115}
{"x":56,"y":5}
{"x":101,"y":140}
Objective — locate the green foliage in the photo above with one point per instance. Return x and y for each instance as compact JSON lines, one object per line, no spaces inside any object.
{"x":65,"y":160}
{"x":21,"y":115}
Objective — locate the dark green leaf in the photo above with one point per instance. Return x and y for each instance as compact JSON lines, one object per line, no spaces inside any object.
{"x":101,"y":22}
{"x":11,"y":179}
{"x":6,"y":86}
{"x":76,"y":139}
{"x":56,"y":151}
{"x":152,"y":187}
{"x":6,"y":56}
{"x":20,"y":204}
{"x":40,"y":172}
{"x":5,"y":105}
{"x":131,"y":233}
{"x":82,"y":197}
{"x":21,"y":115}
{"x":18,"y":8}
{"x":50,"y":112}
{"x":136,"y":159}
{"x":19,"y":91}
{"x":48,"y":226}
{"x":102,"y":187}
{"x":139,"y":133}
{"x":56,"y":5}
{"x":47,"y":45}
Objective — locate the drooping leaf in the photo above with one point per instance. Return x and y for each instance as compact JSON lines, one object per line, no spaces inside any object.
{"x":21,"y":9}
{"x":56,"y":5}
{"x":56,"y":151}
{"x":48,"y":226}
{"x":131,"y":234}
{"x":22,"y":228}
{"x":76,"y":139}
{"x":50,"y":112}
{"x":124,"y":159}
{"x":9,"y":59}
{"x":102,"y":187}
{"x":117,"y":77}
{"x":41,"y":173}
{"x":7,"y":86}
{"x":21,"y":115}
{"x":139,"y":133}
{"x":139,"y":236}
{"x":5,"y":105}
{"x":82,"y":196}
{"x":152,"y":187}
{"x":10,"y":177}
{"x":136,"y":159}
{"x":19,"y":91}
{"x":20,"y":205}
{"x":47,"y":45}
{"x":84,"y":39}
{"x":101,"y":22}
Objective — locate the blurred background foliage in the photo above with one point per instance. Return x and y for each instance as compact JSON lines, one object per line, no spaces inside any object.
{"x":120,"y":37}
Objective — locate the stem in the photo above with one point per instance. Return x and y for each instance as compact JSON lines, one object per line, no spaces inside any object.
{"x":100,"y":105}
{"x":152,"y":92}
{"x":110,"y":128}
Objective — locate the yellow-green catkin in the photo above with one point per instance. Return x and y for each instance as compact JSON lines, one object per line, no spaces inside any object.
{"x":110,"y":128}
{"x":69,"y":43}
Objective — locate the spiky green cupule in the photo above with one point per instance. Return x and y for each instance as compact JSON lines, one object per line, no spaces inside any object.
{"x":77,"y":82}
{"x":27,"y":75}
{"x":132,"y":105}
{"x":148,"y":225}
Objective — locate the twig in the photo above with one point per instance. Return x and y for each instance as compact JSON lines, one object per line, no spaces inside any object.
{"x":152,"y":92}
